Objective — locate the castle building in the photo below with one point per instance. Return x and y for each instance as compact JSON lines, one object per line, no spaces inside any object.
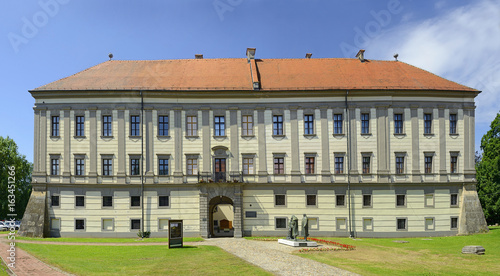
{"x":365,"y":148}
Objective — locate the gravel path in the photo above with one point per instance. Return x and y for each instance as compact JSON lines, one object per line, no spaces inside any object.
{"x":273,"y":257}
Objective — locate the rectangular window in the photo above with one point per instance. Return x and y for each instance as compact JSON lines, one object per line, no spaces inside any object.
{"x":453,"y":164}
{"x":54,"y":168}
{"x":107,"y":201}
{"x":308,"y":124}
{"x":454,"y":200}
{"x":309,"y":165}
{"x":107,"y":224}
{"x":427,"y":123}
{"x":80,"y":126}
{"x":107,"y":166}
{"x":367,"y":200}
{"x":453,"y":123}
{"x":366,"y":164}
{"x":400,"y":200}
{"x":250,"y":214}
{"x":428,"y":164}
{"x":340,"y":200}
{"x":454,"y":223}
{"x":367,"y":224}
{"x":135,"y":166}
{"x":135,"y":201}
{"x":398,"y":123}
{"x":54,"y":201}
{"x":219,"y":126}
{"x":311,"y":200}
{"x":79,"y":224}
{"x":401,"y":224}
{"x":337,"y":124}
{"x":79,"y":166}
{"x":278,"y":125}
{"x":248,"y":166}
{"x":341,"y":224}
{"x":135,"y":224}
{"x":135,"y":125}
{"x":79,"y":201}
{"x":162,"y":125}
{"x":279,"y":200}
{"x":55,"y":126}
{"x":247,"y":125}
{"x":192,"y":126}
{"x":400,"y":164}
{"x":55,"y":224}
{"x":279,"y":165}
{"x":429,"y":200}
{"x":163,"y":166}
{"x":280,"y":223}
{"x":106,"y":126}
{"x":429,"y":224}
{"x":365,"y":123}
{"x":339,"y":165}
{"x":192,"y":166}
{"x":163,"y":201}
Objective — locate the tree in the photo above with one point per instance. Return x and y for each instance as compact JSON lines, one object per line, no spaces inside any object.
{"x":488,"y":173}
{"x":11,"y":161}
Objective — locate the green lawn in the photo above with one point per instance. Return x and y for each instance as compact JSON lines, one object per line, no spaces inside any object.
{"x":421,"y":256}
{"x":3,"y":269}
{"x":105,"y":240}
{"x":141,"y":260}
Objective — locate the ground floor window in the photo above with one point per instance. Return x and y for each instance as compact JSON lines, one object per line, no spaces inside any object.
{"x":135,"y":224}
{"x":367,"y":224}
{"x":402,"y":224}
{"x":79,"y":224}
{"x":454,"y":222}
{"x":280,"y":223}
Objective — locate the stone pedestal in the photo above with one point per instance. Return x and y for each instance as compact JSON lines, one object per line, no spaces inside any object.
{"x":299,"y":243}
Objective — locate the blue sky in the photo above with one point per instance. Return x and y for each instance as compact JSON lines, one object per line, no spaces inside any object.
{"x":43,"y":41}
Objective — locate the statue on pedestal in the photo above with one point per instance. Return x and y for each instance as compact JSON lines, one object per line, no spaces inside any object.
{"x":305,"y":227}
{"x":293,"y":228}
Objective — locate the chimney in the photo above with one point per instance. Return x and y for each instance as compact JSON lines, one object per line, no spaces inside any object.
{"x":198,"y":56}
{"x":361,"y":55}
{"x":250,"y":54}
{"x":308,"y":55}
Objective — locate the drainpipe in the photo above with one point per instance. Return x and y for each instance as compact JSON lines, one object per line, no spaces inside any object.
{"x":348,"y":126}
{"x":142,"y":164}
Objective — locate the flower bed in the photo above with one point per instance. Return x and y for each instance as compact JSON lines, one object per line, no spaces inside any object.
{"x":344,"y":247}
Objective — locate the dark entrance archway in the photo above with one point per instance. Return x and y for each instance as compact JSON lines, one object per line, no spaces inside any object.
{"x":221,"y":218}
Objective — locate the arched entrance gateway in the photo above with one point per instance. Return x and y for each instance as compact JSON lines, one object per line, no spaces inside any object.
{"x":221,"y":217}
{"x":220,"y":202}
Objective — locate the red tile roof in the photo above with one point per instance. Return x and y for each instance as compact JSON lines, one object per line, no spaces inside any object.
{"x":273,"y":74}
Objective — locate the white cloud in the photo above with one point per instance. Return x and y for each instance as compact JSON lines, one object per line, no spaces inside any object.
{"x":462,"y":44}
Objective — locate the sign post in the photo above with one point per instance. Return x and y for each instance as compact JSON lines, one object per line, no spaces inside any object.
{"x":175,"y":233}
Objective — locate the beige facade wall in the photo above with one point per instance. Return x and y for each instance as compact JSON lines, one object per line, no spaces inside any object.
{"x":260,"y":188}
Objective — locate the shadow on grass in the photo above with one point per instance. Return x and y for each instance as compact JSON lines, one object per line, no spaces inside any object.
{"x":184,"y":247}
